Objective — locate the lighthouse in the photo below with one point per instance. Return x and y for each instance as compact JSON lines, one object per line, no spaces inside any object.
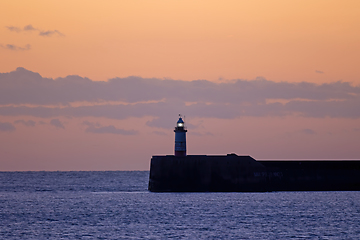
{"x":180,"y":138}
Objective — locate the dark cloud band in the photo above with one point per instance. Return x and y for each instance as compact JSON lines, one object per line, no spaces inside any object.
{"x":26,"y":87}
{"x":160,"y":98}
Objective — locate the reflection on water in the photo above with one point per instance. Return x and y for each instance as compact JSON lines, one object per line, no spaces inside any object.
{"x":117,"y":205}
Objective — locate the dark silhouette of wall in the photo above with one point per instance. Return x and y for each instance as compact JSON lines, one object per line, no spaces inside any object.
{"x":232,"y":173}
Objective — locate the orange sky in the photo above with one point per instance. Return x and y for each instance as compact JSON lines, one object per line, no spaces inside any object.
{"x":280,"y":40}
{"x":315,"y":41}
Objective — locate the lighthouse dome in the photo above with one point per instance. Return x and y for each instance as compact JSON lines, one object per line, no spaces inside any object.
{"x":180,"y":123}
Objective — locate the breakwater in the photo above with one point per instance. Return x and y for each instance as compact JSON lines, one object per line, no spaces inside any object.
{"x":233,"y":173}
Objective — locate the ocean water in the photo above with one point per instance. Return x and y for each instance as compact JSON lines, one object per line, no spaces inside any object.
{"x":117,"y":205}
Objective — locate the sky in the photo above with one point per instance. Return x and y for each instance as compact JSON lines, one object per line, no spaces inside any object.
{"x":98,"y":85}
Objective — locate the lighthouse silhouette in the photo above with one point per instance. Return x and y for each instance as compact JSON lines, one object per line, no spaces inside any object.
{"x":180,"y":138}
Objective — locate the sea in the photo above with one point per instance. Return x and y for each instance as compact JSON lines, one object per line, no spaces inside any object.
{"x":117,"y":205}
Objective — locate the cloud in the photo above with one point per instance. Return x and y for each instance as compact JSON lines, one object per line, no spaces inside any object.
{"x":317,"y":71}
{"x":50,"y":33}
{"x":201,"y":134}
{"x":13,"y":29}
{"x":30,"y":28}
{"x":26,"y":93}
{"x":6,"y":127}
{"x":90,"y":124}
{"x":308,"y":131}
{"x":29,"y":123}
{"x":161,"y":122}
{"x":26,"y":87}
{"x":159,"y":133}
{"x":97,"y":128}
{"x":16,"y":48}
{"x":57,"y":123}
{"x":110,"y":129}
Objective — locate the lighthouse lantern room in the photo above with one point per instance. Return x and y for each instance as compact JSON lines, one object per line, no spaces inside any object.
{"x":180,"y":138}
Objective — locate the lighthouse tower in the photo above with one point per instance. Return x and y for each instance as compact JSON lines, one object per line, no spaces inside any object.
{"x":180,"y":138}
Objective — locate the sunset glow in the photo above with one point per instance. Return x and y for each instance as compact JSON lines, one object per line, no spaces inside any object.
{"x":285,"y":74}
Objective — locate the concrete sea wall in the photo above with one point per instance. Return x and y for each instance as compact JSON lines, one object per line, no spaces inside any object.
{"x":232,"y":173}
